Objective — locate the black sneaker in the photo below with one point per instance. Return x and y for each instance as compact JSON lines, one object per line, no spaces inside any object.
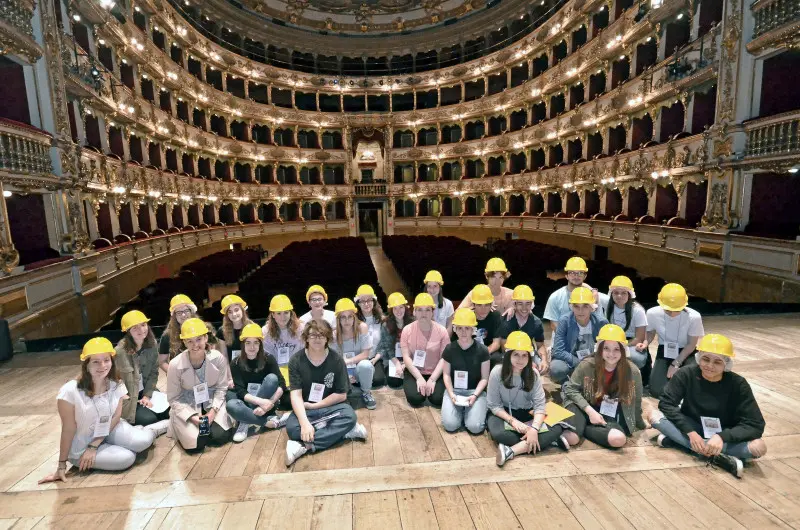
{"x":729,"y":463}
{"x":562,"y":443}
{"x":663,"y":441}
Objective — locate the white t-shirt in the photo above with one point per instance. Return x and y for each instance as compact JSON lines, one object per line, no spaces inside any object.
{"x":585,"y":339}
{"x":283,"y":348}
{"x":327,"y":316}
{"x":374,"y":333}
{"x":638,"y":319}
{"x":87,"y":411}
{"x":440,"y":316}
{"x":678,"y":329}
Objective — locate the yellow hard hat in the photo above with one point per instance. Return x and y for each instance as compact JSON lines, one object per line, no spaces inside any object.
{"x":581,"y":295}
{"x":673,"y":297}
{"x":465,"y":317}
{"x":622,"y":282}
{"x":496,"y":265}
{"x":522,"y":293}
{"x":97,"y":346}
{"x":716,"y":343}
{"x":251,"y":331}
{"x":481,"y":294}
{"x":316,"y":289}
{"x":179,"y":299}
{"x":133,"y":318}
{"x":576,"y":264}
{"x":434,"y":276}
{"x":396,"y":299}
{"x":612,"y":332}
{"x":194,"y":327}
{"x":519,"y":340}
{"x":365,"y":290}
{"x":424,"y":300}
{"x":344,"y":304}
{"x":230,"y":300}
{"x":279,"y":303}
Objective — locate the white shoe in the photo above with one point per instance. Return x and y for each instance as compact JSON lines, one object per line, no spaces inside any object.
{"x":241,"y":432}
{"x":359,"y":432}
{"x":158,"y":428}
{"x":275,"y":422}
{"x":294,"y":450}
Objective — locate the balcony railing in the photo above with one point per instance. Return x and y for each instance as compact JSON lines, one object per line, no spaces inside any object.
{"x":371,"y":189}
{"x":773,"y":14}
{"x":24,"y":149}
{"x":776,"y":135}
{"x":18,"y":14}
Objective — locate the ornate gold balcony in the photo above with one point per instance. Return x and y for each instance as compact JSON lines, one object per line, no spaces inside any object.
{"x":772,"y":14}
{"x":23,"y":149}
{"x":371,"y":190}
{"x":774,"y":136}
{"x":16,"y":30}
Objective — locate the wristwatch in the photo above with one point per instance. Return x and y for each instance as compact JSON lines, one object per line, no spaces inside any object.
{"x":676,"y":363}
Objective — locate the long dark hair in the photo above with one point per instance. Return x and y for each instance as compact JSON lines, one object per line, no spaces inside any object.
{"x":129,"y":345}
{"x":628,"y":310}
{"x":621,"y":383}
{"x":293,"y":326}
{"x":528,"y":373}
{"x":390,"y":321}
{"x":377,"y":311}
{"x":228,"y":331}
{"x":261,"y":358}
{"x":85,"y":378}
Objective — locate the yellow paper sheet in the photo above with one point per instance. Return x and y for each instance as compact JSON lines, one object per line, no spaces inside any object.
{"x":555,"y":413}
{"x":285,"y":373}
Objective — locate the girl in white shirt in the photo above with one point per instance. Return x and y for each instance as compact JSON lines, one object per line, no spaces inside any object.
{"x":93,"y":435}
{"x":283,"y":330}
{"x":443,"y":311}
{"x":624,"y":311}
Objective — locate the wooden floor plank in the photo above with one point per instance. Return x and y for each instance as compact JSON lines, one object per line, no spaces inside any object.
{"x":201,"y":517}
{"x":450,"y":508}
{"x":334,"y":512}
{"x":598,"y":503}
{"x":293,"y":513}
{"x":673,"y":512}
{"x":266,"y":444}
{"x":416,"y":509}
{"x":237,"y":458}
{"x":430,"y":432}
{"x":629,"y":502}
{"x":241,"y":515}
{"x":363,"y":455}
{"x":546,"y":511}
{"x":376,"y":511}
{"x":488,"y":506}
{"x":459,"y":444}
{"x":386,"y":448}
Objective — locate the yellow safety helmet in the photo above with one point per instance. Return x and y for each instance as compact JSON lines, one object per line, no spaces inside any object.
{"x":279,"y":303}
{"x":434,"y":276}
{"x":344,"y":304}
{"x":465,"y":317}
{"x":622,"y":282}
{"x":576,"y":264}
{"x":612,"y":332}
{"x":481,"y":294}
{"x":316,"y":289}
{"x":396,"y":299}
{"x":519,"y":340}
{"x":230,"y":300}
{"x":424,"y":300}
{"x":673,"y":297}
{"x":193,"y":327}
{"x":522,"y":293}
{"x":496,"y":265}
{"x":97,"y":346}
{"x":716,"y":343}
{"x":133,"y":318}
{"x":180,"y":299}
{"x":581,"y":295}
{"x":365,"y":290}
{"x":251,"y":331}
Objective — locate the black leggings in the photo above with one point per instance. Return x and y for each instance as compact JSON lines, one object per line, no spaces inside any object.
{"x":594,"y":433}
{"x":501,"y":435}
{"x":145,"y":416}
{"x":218,"y":436}
{"x":379,"y":377}
{"x":415,"y":399}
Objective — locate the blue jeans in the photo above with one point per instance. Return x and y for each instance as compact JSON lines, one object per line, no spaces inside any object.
{"x":560,"y":371}
{"x":242,"y":411}
{"x":740,"y":449}
{"x":473,"y":418}
{"x":329,"y":435}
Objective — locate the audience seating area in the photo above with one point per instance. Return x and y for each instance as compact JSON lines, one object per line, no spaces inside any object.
{"x":228,"y":266}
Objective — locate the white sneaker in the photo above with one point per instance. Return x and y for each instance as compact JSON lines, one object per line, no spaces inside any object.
{"x":158,"y":428}
{"x":275,"y":422}
{"x":241,"y":432}
{"x":359,"y":432}
{"x":294,"y":450}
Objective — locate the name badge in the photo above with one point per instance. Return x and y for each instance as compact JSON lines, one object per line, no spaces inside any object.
{"x":200,"y":393}
{"x":583,"y":353}
{"x":460,"y":379}
{"x":284,"y":353}
{"x":235,"y":354}
{"x":398,"y":351}
{"x":349,"y":355}
{"x":608,"y":407}
{"x":711,"y":426}
{"x":253,"y":388}
{"x":671,"y":350}
{"x":462,"y":401}
{"x":419,"y":358}
{"x":392,"y":369}
{"x":141,"y":383}
{"x":317,"y":391}
{"x":102,"y":427}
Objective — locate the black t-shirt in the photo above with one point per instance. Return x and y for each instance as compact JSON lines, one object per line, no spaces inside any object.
{"x":468,"y":360}
{"x":332,"y":373}
{"x":533,"y":327}
{"x":488,"y":328}
{"x":236,"y":345}
{"x":241,"y":378}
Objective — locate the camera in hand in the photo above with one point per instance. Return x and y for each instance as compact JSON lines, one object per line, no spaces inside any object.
{"x":205,"y":427}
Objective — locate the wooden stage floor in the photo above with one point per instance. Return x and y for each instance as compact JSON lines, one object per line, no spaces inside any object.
{"x":410,"y":473}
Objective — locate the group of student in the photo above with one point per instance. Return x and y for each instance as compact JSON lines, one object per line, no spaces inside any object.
{"x":482,"y":364}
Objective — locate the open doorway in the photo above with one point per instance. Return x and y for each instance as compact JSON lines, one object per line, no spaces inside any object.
{"x":371,"y":221}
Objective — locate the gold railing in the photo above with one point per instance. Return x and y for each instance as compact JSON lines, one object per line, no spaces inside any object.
{"x":18,"y":14}
{"x":371,"y":189}
{"x":776,"y":135}
{"x":773,"y":14}
{"x":23,"y":149}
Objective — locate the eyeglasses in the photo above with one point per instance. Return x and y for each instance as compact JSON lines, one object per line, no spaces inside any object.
{"x":315,"y":336}
{"x":184,"y":313}
{"x":316,"y":300}
{"x":576,"y":273}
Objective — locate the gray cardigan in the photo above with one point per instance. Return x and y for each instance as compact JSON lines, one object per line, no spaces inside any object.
{"x":499,"y":397}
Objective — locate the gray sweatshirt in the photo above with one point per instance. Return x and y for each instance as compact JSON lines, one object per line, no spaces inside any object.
{"x":500,"y":397}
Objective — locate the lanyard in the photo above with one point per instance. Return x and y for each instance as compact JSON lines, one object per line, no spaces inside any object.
{"x":108,"y":399}
{"x":677,"y":332}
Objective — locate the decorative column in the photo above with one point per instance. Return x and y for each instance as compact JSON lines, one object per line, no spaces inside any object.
{"x":9,"y":257}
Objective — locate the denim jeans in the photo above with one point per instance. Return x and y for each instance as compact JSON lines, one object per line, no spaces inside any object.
{"x":740,"y":449}
{"x":242,"y":411}
{"x":365,"y":371}
{"x":329,"y":435}
{"x":474,"y":417}
{"x":559,"y":371}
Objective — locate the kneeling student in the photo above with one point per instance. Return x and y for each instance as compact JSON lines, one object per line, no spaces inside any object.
{"x":515,"y":394}
{"x":258,"y":386}
{"x":318,"y":379}
{"x":605,"y":392}
{"x":465,"y":372}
